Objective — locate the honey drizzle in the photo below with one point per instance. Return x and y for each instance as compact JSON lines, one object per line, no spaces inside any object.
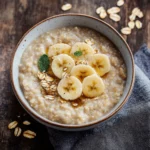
{"x":46,"y":50}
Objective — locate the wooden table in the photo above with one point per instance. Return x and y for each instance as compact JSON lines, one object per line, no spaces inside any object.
{"x":16,"y":17}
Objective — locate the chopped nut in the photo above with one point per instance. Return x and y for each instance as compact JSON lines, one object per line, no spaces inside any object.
{"x":103,"y":14}
{"x":48,"y":79}
{"x":53,"y":87}
{"x":140,"y":14}
{"x":136,"y":11}
{"x":126,"y":30}
{"x":122,"y":73}
{"x":138,"y":24}
{"x":132,"y":17}
{"x":113,"y":10}
{"x":120,"y":2}
{"x":81,"y":62}
{"x":12,"y":125}
{"x":95,"y":51}
{"x":64,"y":75}
{"x":41,"y":76}
{"x":115,"y":17}
{"x":74,"y":104}
{"x":29,"y":134}
{"x":66,"y":7}
{"x":49,"y":97}
{"x":131,"y":25}
{"x":62,"y":101}
{"x":26,"y":122}
{"x":17,"y":131}
{"x":89,"y":42}
{"x":96,"y":98}
{"x":53,"y":57}
{"x":99,"y":9}
{"x":44,"y":84}
{"x":65,"y":69}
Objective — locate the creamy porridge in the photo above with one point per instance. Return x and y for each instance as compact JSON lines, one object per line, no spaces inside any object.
{"x":72,"y":75}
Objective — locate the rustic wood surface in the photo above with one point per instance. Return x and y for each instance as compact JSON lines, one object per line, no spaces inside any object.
{"x":16,"y":17}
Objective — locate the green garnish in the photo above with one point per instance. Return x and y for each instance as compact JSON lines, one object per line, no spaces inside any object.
{"x":78,"y":53}
{"x":43,"y":63}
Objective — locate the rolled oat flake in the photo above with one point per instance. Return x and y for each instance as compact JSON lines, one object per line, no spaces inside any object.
{"x":66,"y":7}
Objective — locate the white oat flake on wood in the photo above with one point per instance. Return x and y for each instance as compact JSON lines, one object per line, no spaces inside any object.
{"x":115,"y":17}
{"x":66,"y":7}
{"x":113,"y":10}
{"x":131,"y":24}
{"x":126,"y":31}
{"x":103,"y":14}
{"x":120,"y":3}
{"x":138,"y":24}
{"x":99,"y":10}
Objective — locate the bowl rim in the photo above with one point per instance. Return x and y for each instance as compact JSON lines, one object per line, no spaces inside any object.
{"x":65,"y":126}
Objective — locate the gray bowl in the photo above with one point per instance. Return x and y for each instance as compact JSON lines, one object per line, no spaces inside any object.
{"x":64,"y":21}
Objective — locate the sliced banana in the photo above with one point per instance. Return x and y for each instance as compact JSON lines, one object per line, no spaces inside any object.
{"x":93,"y":86}
{"x":70,"y":88}
{"x":82,"y":71}
{"x":101,"y":63}
{"x":59,"y":48}
{"x":82,"y":47}
{"x":62,"y":63}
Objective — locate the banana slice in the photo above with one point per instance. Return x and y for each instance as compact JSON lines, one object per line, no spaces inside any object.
{"x":62,"y":63}
{"x":93,"y":86}
{"x":101,"y":63}
{"x":84,"y":49}
{"x":82,"y":71}
{"x":70,"y":88}
{"x":59,"y":48}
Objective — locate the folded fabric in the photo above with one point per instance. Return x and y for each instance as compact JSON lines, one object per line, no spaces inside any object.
{"x":129,"y":129}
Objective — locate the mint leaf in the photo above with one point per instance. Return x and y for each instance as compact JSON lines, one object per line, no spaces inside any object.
{"x":78,"y":53}
{"x":43,"y":63}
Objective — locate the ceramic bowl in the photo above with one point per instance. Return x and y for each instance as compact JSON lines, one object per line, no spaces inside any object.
{"x":64,"y":21}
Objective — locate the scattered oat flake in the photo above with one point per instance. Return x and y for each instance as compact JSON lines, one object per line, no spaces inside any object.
{"x":140,"y":14}
{"x":103,"y":15}
{"x":12,"y":125}
{"x":17,"y":131}
{"x":132,"y":17}
{"x":29,"y":134}
{"x":66,"y":7}
{"x":136,"y":11}
{"x":99,"y":9}
{"x":126,"y":31}
{"x":113,"y":10}
{"x":138,"y":24}
{"x":120,"y":2}
{"x":26,"y":122}
{"x":131,"y":24}
{"x":115,"y":17}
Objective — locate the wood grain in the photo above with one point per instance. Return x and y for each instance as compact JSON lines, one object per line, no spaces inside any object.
{"x":16,"y":17}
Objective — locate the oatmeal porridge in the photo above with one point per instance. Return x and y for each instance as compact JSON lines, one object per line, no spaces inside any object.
{"x":72,"y":75}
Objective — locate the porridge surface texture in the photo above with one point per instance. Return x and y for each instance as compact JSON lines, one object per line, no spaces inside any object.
{"x":82,"y":110}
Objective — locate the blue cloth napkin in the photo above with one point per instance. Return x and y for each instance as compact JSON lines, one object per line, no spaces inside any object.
{"x":128,"y":130}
